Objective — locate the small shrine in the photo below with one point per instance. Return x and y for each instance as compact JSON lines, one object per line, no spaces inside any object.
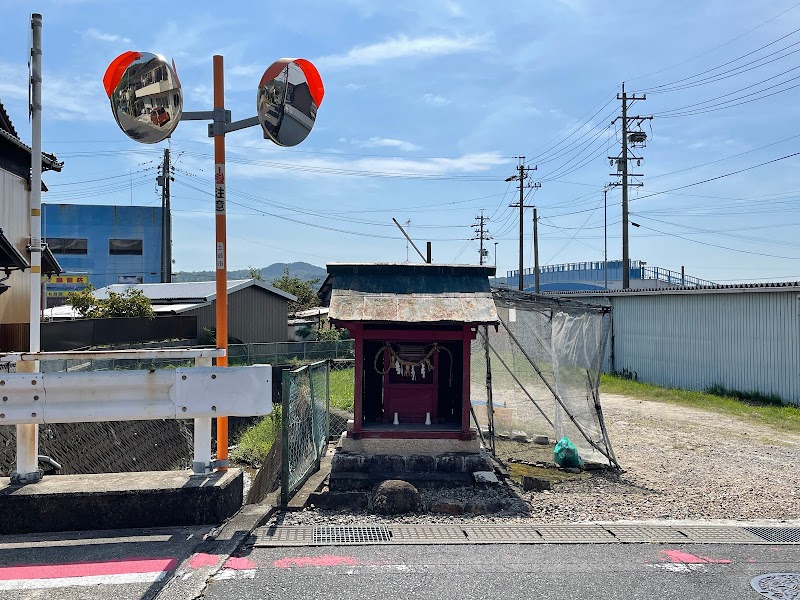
{"x":413,"y":325}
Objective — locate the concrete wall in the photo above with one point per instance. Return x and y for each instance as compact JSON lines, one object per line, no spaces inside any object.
{"x":15,"y":221}
{"x":747,"y":339}
{"x":254,"y":316}
{"x":99,"y":223}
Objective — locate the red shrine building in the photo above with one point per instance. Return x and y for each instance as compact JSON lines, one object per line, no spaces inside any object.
{"x":413,"y":325}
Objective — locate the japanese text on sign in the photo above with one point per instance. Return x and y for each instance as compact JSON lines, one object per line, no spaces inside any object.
{"x":219,"y":188}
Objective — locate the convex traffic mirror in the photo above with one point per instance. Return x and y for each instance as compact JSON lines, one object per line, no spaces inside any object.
{"x":145,"y":95}
{"x":289,"y":93}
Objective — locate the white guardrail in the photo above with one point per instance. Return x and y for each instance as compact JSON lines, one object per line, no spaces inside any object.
{"x":200,"y":393}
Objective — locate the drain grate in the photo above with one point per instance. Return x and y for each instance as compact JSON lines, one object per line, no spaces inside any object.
{"x":646,"y":534}
{"x":777,"y":586}
{"x":284,"y":536}
{"x":502,"y":534}
{"x":777,"y":535}
{"x":714,"y":534}
{"x":575,"y":534}
{"x":428,"y":534}
{"x":351,"y":534}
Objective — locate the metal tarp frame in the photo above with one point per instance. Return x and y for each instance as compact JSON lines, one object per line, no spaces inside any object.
{"x":568,"y":309}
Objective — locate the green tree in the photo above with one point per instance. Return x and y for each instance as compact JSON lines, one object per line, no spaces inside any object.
{"x":255,"y":274}
{"x":332,"y":334}
{"x":130,"y":303}
{"x":303,"y":290}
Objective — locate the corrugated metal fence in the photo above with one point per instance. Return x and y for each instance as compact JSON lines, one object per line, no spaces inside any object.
{"x":745,"y":339}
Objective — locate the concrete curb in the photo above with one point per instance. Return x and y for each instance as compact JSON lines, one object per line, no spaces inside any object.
{"x":191,"y":577}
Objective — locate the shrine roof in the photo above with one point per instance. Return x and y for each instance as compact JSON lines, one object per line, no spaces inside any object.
{"x":409,"y":293}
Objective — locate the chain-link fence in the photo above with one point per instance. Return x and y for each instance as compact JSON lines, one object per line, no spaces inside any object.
{"x":304,"y":424}
{"x":286,"y":352}
{"x":342,"y":392}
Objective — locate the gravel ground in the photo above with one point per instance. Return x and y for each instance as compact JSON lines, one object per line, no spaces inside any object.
{"x":680,"y":463}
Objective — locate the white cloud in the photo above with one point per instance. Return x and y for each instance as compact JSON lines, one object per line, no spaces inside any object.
{"x":401,"y":47}
{"x":376,"y":142}
{"x":353,"y":87}
{"x":328,"y":166}
{"x":105,"y":37}
{"x":12,"y":81}
{"x":435,"y":100}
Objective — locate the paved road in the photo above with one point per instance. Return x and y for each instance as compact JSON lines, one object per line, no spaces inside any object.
{"x":175,"y":564}
{"x":113,"y":565}
{"x":607,"y":572}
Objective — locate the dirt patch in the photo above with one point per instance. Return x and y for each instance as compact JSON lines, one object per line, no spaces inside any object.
{"x":680,"y":463}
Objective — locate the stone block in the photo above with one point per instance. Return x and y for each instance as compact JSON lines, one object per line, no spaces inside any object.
{"x":536,"y":484}
{"x":541,"y":439}
{"x":480,"y":461}
{"x":481,"y":507}
{"x":344,"y":462}
{"x":450,"y":463}
{"x":395,"y":497}
{"x":349,"y":481}
{"x":385,"y":464}
{"x":485,"y":477}
{"x":519,"y":436}
{"x":421,"y":463}
{"x":447,"y":508}
{"x":351,"y":500}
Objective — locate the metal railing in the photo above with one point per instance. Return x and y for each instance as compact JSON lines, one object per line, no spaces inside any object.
{"x":596,"y":271}
{"x":202,"y":392}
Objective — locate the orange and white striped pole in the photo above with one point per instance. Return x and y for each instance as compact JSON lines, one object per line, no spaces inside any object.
{"x":221,"y":250}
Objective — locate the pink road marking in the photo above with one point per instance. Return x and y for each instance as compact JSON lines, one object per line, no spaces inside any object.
{"x":112,"y":567}
{"x":716,"y":561}
{"x":239,"y":564}
{"x":201,"y":559}
{"x":678,"y":556}
{"x":316,"y":561}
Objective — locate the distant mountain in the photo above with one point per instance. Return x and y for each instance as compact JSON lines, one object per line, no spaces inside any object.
{"x":303,"y":270}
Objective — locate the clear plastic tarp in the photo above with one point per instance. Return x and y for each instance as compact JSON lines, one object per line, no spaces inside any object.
{"x":544,"y":367}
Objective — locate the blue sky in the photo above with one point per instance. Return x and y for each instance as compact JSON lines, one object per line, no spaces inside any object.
{"x":427,"y":103}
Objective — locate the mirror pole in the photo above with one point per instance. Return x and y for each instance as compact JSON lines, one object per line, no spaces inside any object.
{"x":221,"y":250}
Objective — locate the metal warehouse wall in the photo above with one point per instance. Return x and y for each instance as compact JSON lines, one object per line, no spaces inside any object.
{"x":254,"y":316}
{"x":98,"y":224}
{"x":744,"y":339}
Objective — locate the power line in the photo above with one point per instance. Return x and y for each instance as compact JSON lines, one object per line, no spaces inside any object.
{"x":675,"y":235}
{"x":688,"y":60}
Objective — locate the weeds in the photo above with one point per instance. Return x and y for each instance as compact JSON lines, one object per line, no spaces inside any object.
{"x":256,"y":441}
{"x":753,"y":407}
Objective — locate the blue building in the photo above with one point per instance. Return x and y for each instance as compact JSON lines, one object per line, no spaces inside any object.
{"x":592,"y":276}
{"x":102,"y":245}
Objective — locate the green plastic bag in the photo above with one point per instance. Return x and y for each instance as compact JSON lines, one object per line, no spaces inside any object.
{"x":565,"y":454}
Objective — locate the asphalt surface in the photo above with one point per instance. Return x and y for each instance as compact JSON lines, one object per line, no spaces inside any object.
{"x":633,"y":571}
{"x":201,"y":562}
{"x":113,"y":565}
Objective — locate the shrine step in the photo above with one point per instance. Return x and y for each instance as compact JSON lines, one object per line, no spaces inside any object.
{"x":380,"y":464}
{"x":344,"y":481}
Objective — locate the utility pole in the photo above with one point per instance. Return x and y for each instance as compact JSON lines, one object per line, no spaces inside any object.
{"x":166,"y":220}
{"x":535,"y":250}
{"x":637,"y":139}
{"x":481,"y":235}
{"x":605,"y":234}
{"x":521,"y":176}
